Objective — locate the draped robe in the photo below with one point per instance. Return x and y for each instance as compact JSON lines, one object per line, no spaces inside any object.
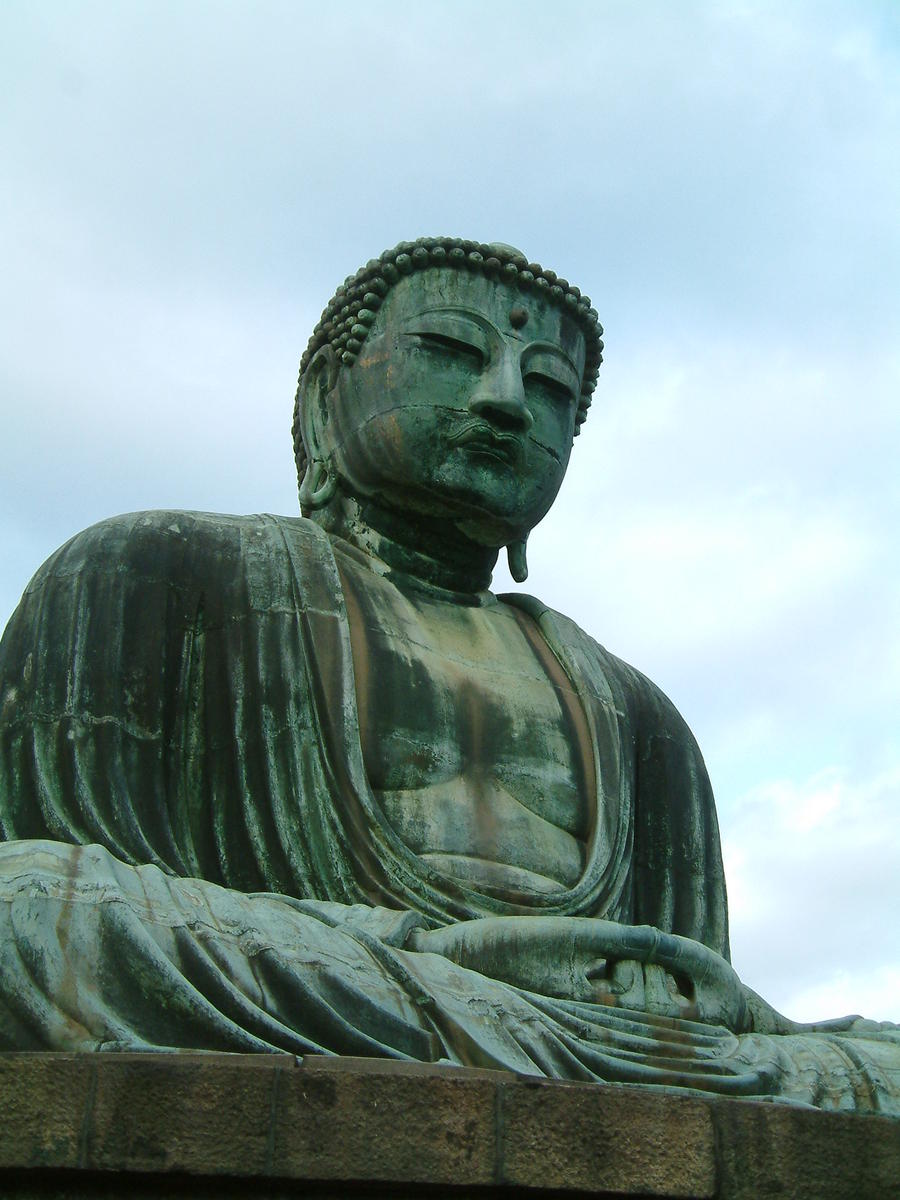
{"x":194,"y":857}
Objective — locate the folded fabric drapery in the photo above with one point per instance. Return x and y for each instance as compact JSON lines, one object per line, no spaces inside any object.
{"x":195,"y":858}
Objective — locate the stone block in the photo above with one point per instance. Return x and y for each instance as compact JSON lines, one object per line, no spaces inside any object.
{"x":203,"y":1114}
{"x":773,"y":1150}
{"x":606,"y":1139}
{"x":380,"y":1121}
{"x":45,"y":1101}
{"x":201,"y":1125}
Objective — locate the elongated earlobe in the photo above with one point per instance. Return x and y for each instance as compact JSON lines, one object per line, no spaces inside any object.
{"x":317,"y":479}
{"x":518,"y":565}
{"x":317,"y":486}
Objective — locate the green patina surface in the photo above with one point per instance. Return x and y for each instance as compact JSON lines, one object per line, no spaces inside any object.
{"x":305,"y":784}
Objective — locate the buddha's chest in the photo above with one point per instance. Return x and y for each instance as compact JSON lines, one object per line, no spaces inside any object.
{"x":472,"y":737}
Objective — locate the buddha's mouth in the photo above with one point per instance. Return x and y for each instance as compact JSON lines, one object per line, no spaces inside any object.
{"x":482,"y":438}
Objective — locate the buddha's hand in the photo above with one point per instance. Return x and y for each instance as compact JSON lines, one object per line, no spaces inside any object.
{"x":585,"y":959}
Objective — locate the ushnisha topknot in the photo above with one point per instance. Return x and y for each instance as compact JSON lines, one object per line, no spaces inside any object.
{"x":348,"y":316}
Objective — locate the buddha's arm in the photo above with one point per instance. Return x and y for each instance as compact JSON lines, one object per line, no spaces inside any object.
{"x":156,"y":699}
{"x":105,"y":714}
{"x":586,"y":959}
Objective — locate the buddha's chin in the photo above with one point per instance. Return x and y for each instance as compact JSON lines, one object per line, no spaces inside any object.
{"x":481,"y":518}
{"x":489,"y":513}
{"x":495,"y":522}
{"x":491,"y":533}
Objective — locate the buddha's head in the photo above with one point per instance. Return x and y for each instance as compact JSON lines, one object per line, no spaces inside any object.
{"x":447,"y":379}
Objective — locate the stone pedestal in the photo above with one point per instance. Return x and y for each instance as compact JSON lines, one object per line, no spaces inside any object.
{"x":267,"y":1127}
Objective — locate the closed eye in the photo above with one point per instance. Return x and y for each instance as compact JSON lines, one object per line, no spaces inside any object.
{"x":556,"y":387}
{"x":446,"y":344}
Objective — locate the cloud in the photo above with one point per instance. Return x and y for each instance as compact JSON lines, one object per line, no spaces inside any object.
{"x":815,"y":914}
{"x":733,"y":510}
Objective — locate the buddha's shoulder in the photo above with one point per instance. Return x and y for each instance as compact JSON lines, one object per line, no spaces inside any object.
{"x":613,"y":680}
{"x":170,"y":541}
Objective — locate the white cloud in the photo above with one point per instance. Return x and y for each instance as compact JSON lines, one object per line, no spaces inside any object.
{"x":874,"y":988}
{"x":813,"y":869}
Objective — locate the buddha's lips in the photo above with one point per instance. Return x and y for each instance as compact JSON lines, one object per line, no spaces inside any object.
{"x":480,"y":436}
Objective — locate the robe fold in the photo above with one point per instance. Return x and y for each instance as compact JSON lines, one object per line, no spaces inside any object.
{"x":195,"y":858}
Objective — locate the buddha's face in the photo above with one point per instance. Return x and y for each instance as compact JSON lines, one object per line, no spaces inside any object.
{"x":461,"y":404}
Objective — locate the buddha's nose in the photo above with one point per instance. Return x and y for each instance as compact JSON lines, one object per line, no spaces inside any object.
{"x":500,"y":397}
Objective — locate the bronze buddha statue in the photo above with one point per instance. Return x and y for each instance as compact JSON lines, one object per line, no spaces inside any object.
{"x":305,"y":784}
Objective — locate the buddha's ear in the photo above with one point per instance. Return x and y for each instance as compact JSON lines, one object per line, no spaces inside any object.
{"x":316,"y":387}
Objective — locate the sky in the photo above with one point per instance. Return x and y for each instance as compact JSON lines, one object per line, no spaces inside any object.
{"x":185,"y":183}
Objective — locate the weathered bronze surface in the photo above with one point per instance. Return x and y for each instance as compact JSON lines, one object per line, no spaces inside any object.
{"x":306,"y":785}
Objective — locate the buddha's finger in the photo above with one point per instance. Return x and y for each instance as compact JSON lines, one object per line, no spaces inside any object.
{"x":628,"y":984}
{"x":682,"y":956}
{"x":620,"y":941}
{"x":662,"y":994}
{"x":599,"y":973}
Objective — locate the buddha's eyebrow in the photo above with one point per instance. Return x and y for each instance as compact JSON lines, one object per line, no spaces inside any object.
{"x":479,"y":323}
{"x":549,"y":348}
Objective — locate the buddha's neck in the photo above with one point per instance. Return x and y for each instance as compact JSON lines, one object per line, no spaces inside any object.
{"x":423,"y":550}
